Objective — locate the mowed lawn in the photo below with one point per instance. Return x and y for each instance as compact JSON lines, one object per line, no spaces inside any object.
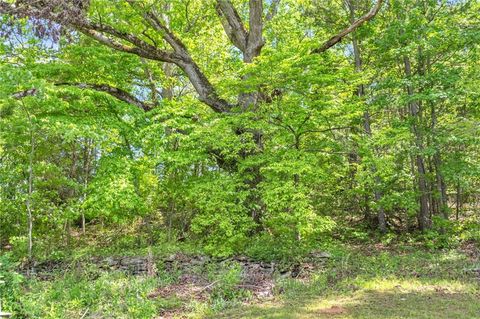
{"x":437,"y":286}
{"x":383,"y":299}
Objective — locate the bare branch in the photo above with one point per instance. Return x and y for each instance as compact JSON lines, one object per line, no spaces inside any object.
{"x":25,"y":93}
{"x":57,"y":11}
{"x":140,"y":48}
{"x":103,"y":33}
{"x":152,"y":54}
{"x":184,"y":61}
{"x":338,"y":37}
{"x":232,"y":24}
{"x":249,"y":42}
{"x":152,"y":20}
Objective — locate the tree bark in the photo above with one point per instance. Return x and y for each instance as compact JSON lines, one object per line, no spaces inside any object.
{"x":30,"y":190}
{"x":353,"y":26}
{"x":437,"y":162}
{"x":86,"y":175}
{"x":382,"y":225}
{"x":458,"y":201}
{"x":415,"y":110}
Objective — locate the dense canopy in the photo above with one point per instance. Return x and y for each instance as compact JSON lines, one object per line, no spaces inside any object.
{"x":183,"y":158}
{"x":234,"y":123}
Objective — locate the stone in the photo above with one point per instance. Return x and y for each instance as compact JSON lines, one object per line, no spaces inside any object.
{"x":320,"y":254}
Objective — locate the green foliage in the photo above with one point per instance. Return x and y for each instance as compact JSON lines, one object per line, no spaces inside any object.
{"x":132,"y":127}
{"x":470,"y":231}
{"x":109,"y":295}
{"x":406,"y":283}
{"x":113,"y":194}
{"x":443,"y":235}
{"x":309,"y":146}
{"x":10,"y":284}
{"x":225,"y":290}
{"x":222,"y":220}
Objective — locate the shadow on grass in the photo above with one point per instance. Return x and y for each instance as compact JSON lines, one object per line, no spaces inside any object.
{"x":431,"y":303}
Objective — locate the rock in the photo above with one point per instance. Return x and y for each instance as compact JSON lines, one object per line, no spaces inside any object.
{"x":110,"y":261}
{"x":170,"y":258}
{"x":320,"y":254}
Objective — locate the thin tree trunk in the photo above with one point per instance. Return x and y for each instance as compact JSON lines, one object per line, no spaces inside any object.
{"x":442,"y":187}
{"x":151,"y":82}
{"x":382,"y":225}
{"x":437,"y":163}
{"x":423,"y":220}
{"x":86,"y":173}
{"x":433,"y":202}
{"x":72,"y":190}
{"x":28,"y":201}
{"x":30,"y":191}
{"x":458,"y":203}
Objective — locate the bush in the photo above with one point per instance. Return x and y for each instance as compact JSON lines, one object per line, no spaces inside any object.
{"x":10,"y":284}
{"x":225,"y":285}
{"x":443,"y":234}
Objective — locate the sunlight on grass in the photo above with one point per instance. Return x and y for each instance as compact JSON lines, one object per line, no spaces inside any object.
{"x":411,"y":285}
{"x":378,"y":299}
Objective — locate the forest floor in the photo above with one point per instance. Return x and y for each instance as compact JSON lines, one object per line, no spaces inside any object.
{"x":366,"y":281}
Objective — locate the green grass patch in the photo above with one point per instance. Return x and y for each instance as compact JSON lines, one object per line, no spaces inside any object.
{"x":380,"y":299}
{"x":384,"y":285}
{"x":357,"y":282}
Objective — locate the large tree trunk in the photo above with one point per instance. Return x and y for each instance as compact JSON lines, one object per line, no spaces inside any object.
{"x":250,"y":42}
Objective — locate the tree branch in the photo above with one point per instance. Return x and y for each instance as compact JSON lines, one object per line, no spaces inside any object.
{"x":140,"y":48}
{"x":156,"y":54}
{"x":113,"y":91}
{"x":249,"y":42}
{"x":206,"y":91}
{"x":115,"y":39}
{"x":255,"y":40}
{"x":338,"y":37}
{"x":25,"y":93}
{"x":232,"y":24}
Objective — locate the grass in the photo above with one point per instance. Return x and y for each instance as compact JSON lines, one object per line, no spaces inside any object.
{"x":362,"y":282}
{"x":385,"y":299}
{"x":110,"y":295}
{"x":384,"y":285}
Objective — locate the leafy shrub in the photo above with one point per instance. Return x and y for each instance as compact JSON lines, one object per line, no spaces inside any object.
{"x":443,"y":234}
{"x":10,"y":284}
{"x":222,"y":221}
{"x":225,"y":280}
{"x":471,"y":231}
